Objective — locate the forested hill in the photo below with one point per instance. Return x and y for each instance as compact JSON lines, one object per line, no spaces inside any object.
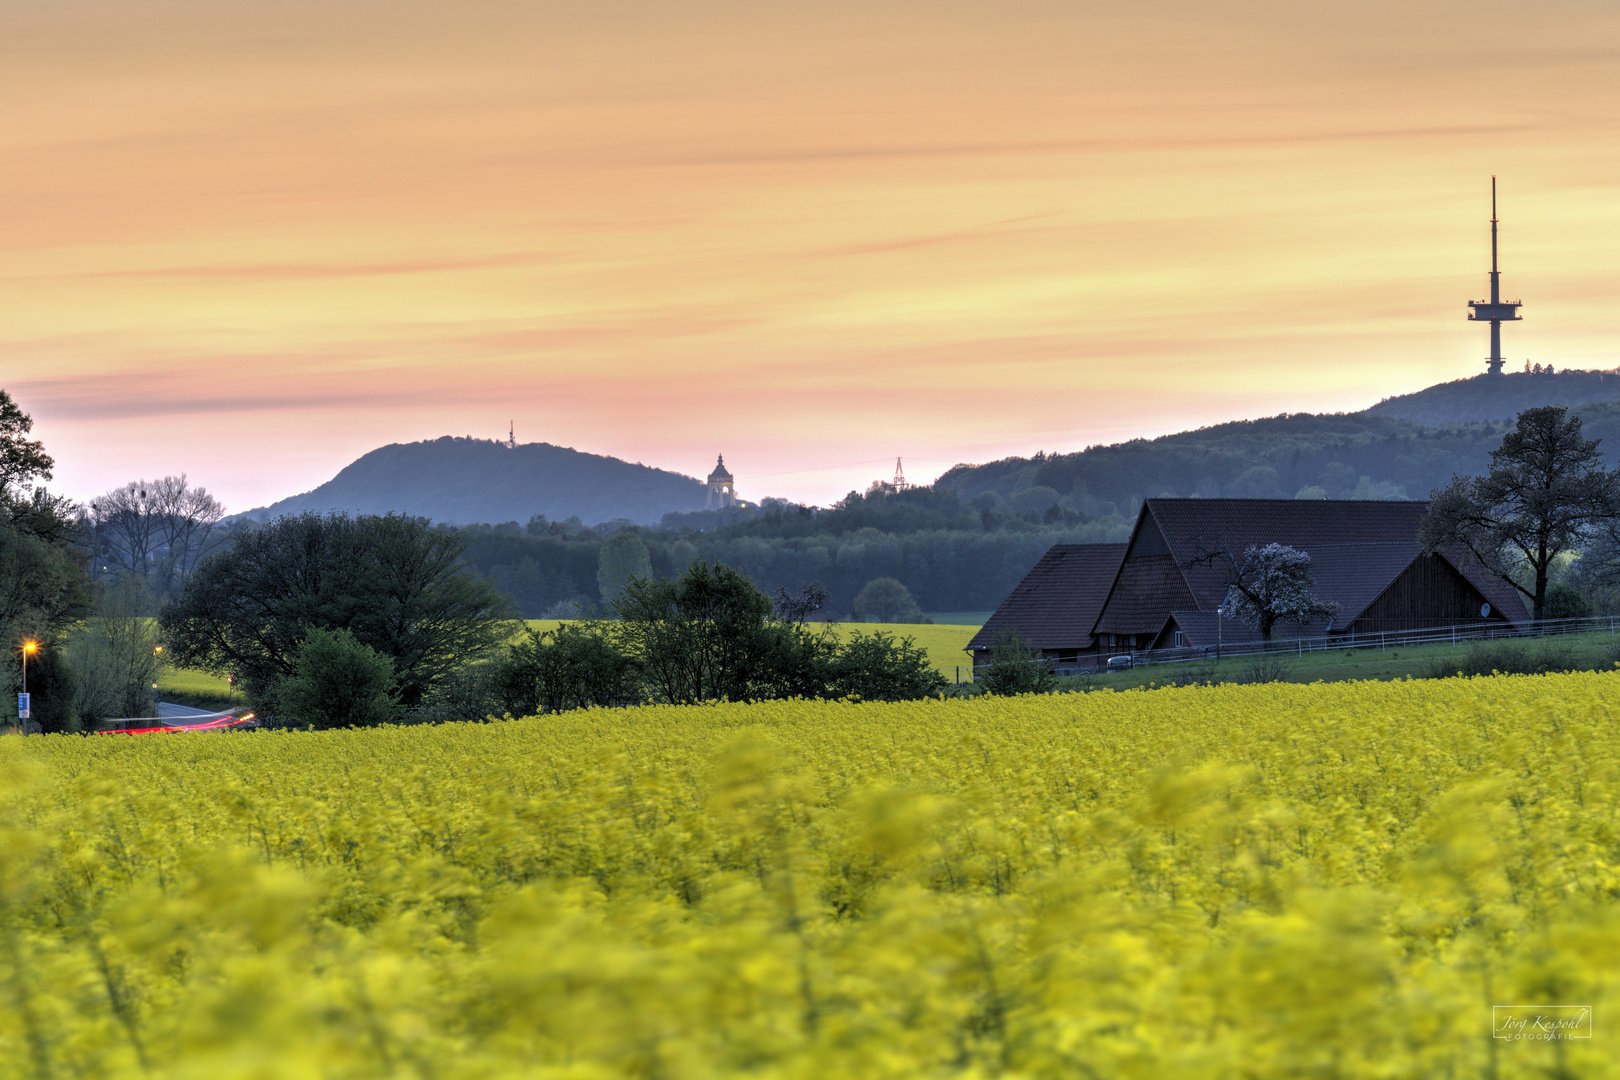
{"x":460,"y":480}
{"x":1366,"y":455}
{"x":1500,"y":397}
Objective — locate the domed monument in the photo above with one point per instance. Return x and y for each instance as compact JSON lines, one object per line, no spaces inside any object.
{"x":722,"y":491}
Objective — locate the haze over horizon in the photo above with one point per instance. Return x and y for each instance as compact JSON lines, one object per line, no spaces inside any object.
{"x":252,"y":243}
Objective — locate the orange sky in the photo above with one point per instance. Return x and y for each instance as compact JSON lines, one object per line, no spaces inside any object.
{"x":251,"y":241}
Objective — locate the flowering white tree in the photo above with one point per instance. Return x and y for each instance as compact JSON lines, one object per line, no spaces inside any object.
{"x":1270,"y":582}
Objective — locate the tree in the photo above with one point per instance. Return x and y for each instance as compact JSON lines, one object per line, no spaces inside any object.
{"x":337,"y":682}
{"x":1265,"y":584}
{"x":158,"y":529}
{"x":1546,"y":493}
{"x":886,"y":600}
{"x":1015,"y":668}
{"x":114,"y":654}
{"x":43,"y":584}
{"x":798,"y":607}
{"x":396,"y":584}
{"x":22,"y":461}
{"x":699,"y":637}
{"x":624,"y":556}
{"x":44,"y":588}
{"x":1565,"y":601}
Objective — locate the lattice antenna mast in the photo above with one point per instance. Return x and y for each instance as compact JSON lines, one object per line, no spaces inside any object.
{"x":899,"y":477}
{"x":1495,"y":311}
{"x":511,"y":435}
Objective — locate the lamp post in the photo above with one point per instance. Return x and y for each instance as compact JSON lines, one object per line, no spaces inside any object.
{"x":27,"y":648}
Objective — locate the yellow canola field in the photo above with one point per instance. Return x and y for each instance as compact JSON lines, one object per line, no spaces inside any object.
{"x":1257,"y":881}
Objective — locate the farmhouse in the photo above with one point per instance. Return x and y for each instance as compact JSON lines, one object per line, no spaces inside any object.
{"x":1164,"y":587}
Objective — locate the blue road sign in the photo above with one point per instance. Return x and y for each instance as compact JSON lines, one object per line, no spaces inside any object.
{"x":22,"y":706}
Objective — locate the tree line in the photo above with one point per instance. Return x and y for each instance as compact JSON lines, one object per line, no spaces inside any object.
{"x":949,"y":555}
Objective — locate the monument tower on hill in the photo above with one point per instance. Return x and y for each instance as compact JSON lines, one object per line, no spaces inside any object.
{"x":1494,"y":311}
{"x":722,"y":491}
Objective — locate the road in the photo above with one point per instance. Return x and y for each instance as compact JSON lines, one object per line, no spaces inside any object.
{"x":169,"y":711}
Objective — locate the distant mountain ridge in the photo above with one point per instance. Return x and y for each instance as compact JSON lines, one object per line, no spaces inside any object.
{"x":464,"y":481}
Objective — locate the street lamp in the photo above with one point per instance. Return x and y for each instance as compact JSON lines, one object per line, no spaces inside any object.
{"x":28,"y":648}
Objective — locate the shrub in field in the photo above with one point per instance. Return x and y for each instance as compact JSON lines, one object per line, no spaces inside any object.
{"x":1015,"y":668}
{"x":879,"y":668}
{"x":337,"y":682}
{"x":712,"y":635}
{"x":1508,"y":658}
{"x":571,"y":667}
{"x":1264,"y":668}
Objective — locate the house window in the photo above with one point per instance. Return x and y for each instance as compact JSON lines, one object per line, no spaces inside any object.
{"x":1178,"y":641}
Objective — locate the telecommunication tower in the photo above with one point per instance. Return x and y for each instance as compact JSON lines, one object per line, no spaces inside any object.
{"x":511,"y":435}
{"x":899,"y":477}
{"x":1494,"y":311}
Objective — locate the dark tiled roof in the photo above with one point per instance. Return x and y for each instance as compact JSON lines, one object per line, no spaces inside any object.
{"x":1192,"y":527}
{"x":1357,"y":549}
{"x":1354,"y":575}
{"x":1056,"y":604}
{"x":1203,"y":627}
{"x":1504,"y":598}
{"x":1148,"y":588}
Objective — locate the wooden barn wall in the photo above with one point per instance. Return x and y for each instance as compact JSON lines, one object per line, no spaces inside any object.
{"x":1430,"y":592}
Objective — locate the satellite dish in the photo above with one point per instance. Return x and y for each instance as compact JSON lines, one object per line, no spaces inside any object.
{"x":1484,"y":611}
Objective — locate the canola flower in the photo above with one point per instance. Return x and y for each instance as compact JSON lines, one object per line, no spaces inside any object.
{"x":1328,"y":880}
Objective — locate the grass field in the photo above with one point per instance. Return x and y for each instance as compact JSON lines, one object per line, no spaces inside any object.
{"x":188,"y":686}
{"x":1335,"y":880}
{"x":961,"y":618}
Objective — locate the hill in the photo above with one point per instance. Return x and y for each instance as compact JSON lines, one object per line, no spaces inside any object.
{"x":461,"y":480}
{"x":1367,"y":455}
{"x":1500,"y":397}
